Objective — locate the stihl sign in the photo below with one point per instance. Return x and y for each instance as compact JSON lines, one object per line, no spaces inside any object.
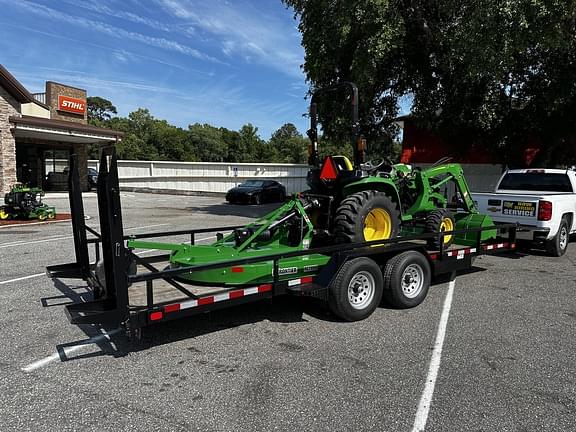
{"x":73,"y":105}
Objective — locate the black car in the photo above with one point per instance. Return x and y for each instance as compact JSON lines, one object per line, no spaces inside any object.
{"x":257,"y":192}
{"x":92,"y":178}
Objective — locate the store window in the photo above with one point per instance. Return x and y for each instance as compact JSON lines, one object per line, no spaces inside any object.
{"x":56,"y":169}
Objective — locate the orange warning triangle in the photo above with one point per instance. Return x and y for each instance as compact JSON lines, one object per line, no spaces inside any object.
{"x":328,"y":171}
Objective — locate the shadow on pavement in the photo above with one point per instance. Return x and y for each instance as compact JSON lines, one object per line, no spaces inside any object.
{"x":224,"y":209}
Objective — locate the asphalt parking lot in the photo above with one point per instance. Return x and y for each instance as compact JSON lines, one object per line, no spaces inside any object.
{"x":508,"y":358}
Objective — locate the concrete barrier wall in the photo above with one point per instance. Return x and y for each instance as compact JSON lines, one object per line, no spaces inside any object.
{"x":213,"y":177}
{"x":204,"y":177}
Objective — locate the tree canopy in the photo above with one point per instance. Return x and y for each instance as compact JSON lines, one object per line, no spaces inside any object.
{"x":495,"y":71}
{"x":148,"y":138}
{"x":99,"y":109}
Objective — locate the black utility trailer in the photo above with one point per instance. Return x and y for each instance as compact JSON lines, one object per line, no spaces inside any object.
{"x":132,"y":291}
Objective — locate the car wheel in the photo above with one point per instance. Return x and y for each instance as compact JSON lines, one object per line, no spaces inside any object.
{"x":558,"y":245}
{"x":257,"y":199}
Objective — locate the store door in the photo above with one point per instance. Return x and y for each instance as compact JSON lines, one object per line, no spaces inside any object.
{"x":27,"y":165}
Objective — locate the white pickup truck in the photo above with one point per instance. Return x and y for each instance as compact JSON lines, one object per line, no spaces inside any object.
{"x":543,"y":201}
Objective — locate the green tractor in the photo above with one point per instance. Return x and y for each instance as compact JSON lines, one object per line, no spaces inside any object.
{"x":23,"y":202}
{"x":347,"y":203}
{"x":378,"y":200}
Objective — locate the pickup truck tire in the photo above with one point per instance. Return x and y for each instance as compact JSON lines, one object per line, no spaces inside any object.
{"x":557,"y":246}
{"x":366,"y":216}
{"x":356,"y":291}
{"x":438,"y":221}
{"x":406,"y":280}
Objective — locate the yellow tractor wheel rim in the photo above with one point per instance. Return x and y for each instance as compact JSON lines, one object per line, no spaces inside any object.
{"x":3,"y":215}
{"x":377,"y":225}
{"x":447,"y":225}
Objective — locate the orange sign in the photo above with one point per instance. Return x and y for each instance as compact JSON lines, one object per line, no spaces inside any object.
{"x":73,"y":105}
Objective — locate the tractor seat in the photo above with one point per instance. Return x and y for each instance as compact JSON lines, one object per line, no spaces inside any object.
{"x":343,"y":164}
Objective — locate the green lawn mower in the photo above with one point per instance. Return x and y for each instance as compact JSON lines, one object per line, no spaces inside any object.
{"x":23,"y":202}
{"x":347,"y":203}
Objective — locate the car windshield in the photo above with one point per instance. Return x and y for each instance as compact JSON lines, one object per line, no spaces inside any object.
{"x":252,"y":183}
{"x":536,"y":182}
{"x":92,"y":171}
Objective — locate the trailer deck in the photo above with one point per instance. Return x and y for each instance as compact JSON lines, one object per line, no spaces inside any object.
{"x":136,"y":291}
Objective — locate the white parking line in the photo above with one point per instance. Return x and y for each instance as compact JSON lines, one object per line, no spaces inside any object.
{"x":428,"y":393}
{"x":47,"y":239}
{"x":21,"y":278}
{"x":67,"y":351}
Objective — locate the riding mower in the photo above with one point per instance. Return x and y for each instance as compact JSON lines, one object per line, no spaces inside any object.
{"x":23,"y":202}
{"x":347,"y":203}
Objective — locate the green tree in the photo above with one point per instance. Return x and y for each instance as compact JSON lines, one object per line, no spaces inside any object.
{"x":290,"y":145}
{"x":491,"y":71}
{"x":208,"y":142}
{"x":99,"y":109}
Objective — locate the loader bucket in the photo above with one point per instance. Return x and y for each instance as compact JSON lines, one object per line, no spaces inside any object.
{"x":467,"y":221}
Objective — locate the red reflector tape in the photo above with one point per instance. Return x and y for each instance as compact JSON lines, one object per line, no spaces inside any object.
{"x":172,"y":308}
{"x":306,"y":279}
{"x":155,"y":316}
{"x":265,"y":288}
{"x":205,"y":300}
{"x":433,"y":257}
{"x":236,"y":294}
{"x":237,"y":269}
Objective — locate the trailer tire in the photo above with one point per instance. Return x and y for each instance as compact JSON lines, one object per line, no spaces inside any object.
{"x":557,"y":246}
{"x":356,"y":291}
{"x":406,"y":280}
{"x":438,"y":221}
{"x":366,"y":216}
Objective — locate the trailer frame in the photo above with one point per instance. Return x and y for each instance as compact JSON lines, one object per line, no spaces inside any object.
{"x":114,"y":269}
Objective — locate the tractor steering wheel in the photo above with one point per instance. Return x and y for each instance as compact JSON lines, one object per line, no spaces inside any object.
{"x":374,"y":164}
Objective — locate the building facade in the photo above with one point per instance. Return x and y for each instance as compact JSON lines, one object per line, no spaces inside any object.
{"x":37,"y":130}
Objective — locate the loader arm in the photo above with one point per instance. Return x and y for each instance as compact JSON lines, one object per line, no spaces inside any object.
{"x":430,"y":181}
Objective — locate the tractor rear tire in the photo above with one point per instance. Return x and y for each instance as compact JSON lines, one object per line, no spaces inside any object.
{"x":439,"y":221}
{"x":366,"y":216}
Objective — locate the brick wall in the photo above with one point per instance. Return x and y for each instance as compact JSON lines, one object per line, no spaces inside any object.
{"x":8,"y":107}
{"x":53,"y":90}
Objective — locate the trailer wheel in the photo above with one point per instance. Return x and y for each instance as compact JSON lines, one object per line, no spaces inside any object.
{"x":557,"y":246}
{"x":406,"y":280}
{"x":356,"y":291}
{"x":439,"y":221}
{"x":366,"y":216}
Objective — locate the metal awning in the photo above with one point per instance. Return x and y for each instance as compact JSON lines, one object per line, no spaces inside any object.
{"x":61,"y":131}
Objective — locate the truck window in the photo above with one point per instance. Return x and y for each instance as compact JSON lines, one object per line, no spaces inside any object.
{"x":536,"y":182}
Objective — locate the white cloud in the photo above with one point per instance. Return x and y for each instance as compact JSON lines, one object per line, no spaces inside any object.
{"x":243,"y":31}
{"x":107,"y":29}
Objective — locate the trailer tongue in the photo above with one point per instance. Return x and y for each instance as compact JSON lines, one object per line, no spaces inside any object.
{"x":271,"y":257}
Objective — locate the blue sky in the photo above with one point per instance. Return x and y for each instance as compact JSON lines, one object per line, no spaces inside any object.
{"x":221,"y":62}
